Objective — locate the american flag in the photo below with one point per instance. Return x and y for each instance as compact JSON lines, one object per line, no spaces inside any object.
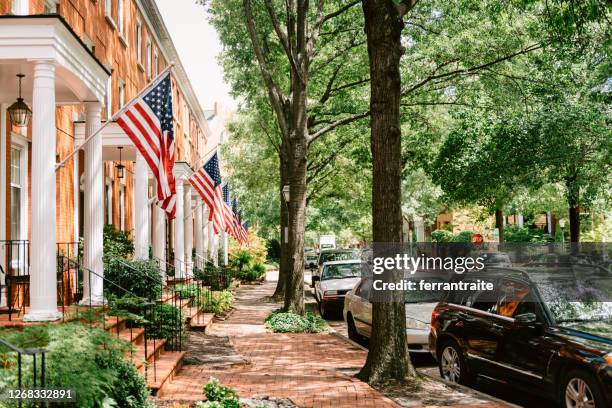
{"x":149,"y":125}
{"x":207,"y":182}
{"x":244,"y":231}
{"x":228,"y":215}
{"x":235,"y":220}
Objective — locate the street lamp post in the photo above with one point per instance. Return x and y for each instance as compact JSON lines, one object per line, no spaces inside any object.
{"x":562,"y":225}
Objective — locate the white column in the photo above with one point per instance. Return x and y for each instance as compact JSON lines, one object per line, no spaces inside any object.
{"x":93,"y":208}
{"x":521,"y":220}
{"x":419,"y":226}
{"x":225,"y":248}
{"x":3,"y":119}
{"x":21,"y":8}
{"x":43,"y":279}
{"x":188,"y":231}
{"x":159,"y":235}
{"x":215,"y":247}
{"x":199,"y":231}
{"x":205,"y":233}
{"x":141,"y":211}
{"x":179,"y":231}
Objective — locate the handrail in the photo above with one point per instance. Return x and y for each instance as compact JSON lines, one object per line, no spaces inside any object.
{"x":29,"y":351}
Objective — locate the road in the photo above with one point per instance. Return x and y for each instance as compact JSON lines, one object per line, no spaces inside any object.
{"x":427,"y":365}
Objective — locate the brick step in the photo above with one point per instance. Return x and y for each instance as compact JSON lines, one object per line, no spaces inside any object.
{"x":154,"y":350}
{"x":191,"y":312}
{"x":134,"y":335}
{"x":201,"y":322}
{"x":113,"y":324}
{"x":167,"y":365}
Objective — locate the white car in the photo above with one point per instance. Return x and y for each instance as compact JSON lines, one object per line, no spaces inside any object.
{"x":337,"y":278}
{"x":419,"y":305}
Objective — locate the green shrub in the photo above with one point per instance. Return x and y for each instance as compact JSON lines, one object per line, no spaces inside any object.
{"x":441,"y":236}
{"x":514,"y":233}
{"x":218,"y":395}
{"x":90,"y":361}
{"x":117,"y":244}
{"x":240,"y":259}
{"x":287,"y":322}
{"x":167,"y":322}
{"x":463,"y":236}
{"x":218,"y":278}
{"x":187,"y":291}
{"x":141,"y":278}
{"x":218,"y":302}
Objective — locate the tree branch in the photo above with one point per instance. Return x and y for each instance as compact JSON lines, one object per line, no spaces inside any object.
{"x":405,"y":6}
{"x":335,"y":124}
{"x":470,"y":70}
{"x":274,"y":93}
{"x":321,"y":19}
{"x":282,"y":37}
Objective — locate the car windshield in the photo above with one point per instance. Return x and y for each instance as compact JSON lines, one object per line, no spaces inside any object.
{"x":311,"y":258}
{"x":424,"y":296}
{"x":576,"y":298}
{"x":337,"y":256}
{"x":340,"y":271}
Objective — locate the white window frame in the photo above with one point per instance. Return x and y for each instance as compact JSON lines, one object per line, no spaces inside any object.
{"x":120,"y":16}
{"x":139,"y":41}
{"x":156,"y":63}
{"x":109,"y":200}
{"x":109,"y":98}
{"x":108,"y":8}
{"x":121,"y":93}
{"x":122,"y":207}
{"x":21,"y":143}
{"x":149,"y":51}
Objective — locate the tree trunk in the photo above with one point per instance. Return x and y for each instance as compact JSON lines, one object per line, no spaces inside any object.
{"x":283,"y":267}
{"x":573,"y":202}
{"x":294,"y":285}
{"x":499,"y":223}
{"x":388,"y":354}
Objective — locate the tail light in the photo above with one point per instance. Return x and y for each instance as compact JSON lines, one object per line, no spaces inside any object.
{"x":434,"y":318}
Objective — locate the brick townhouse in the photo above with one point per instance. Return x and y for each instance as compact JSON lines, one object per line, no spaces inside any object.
{"x":79,"y":62}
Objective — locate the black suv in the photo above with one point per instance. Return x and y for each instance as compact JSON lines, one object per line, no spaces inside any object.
{"x":532,"y":331}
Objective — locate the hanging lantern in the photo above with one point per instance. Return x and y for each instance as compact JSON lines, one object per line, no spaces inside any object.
{"x":120,"y":167}
{"x":20,"y":112}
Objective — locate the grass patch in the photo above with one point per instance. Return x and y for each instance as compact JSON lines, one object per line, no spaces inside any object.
{"x":287,"y":322}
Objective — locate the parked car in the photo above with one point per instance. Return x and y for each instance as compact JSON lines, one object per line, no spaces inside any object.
{"x":337,"y":278}
{"x":533,"y":331}
{"x":330,"y":255}
{"x":497,"y":259}
{"x":310,"y":260}
{"x":419,"y":306}
{"x":327,"y":242}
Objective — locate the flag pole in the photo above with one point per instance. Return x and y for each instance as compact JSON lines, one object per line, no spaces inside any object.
{"x":114,"y":117}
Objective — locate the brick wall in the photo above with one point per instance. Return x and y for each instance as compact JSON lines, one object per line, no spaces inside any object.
{"x":117,"y":51}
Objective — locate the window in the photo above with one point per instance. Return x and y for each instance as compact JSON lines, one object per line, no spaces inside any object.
{"x":108,"y":7}
{"x":121,"y":93}
{"x":156,"y":63}
{"x":138,"y":41}
{"x":149,"y":49}
{"x":109,"y":202}
{"x":122,"y":207}
{"x":16,"y":190}
{"x":186,"y":120}
{"x":514,"y":299}
{"x":364,"y":289}
{"x":109,"y":98}
{"x":120,"y":15}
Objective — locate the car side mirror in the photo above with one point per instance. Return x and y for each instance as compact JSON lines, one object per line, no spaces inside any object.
{"x":525,"y":319}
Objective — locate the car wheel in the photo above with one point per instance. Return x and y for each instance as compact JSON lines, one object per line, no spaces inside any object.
{"x":352,"y":329}
{"x":322,"y":310}
{"x":580,"y":389}
{"x":453,"y":366}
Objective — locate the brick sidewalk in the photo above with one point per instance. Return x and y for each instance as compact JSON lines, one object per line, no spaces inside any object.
{"x":313,"y":370}
{"x":296,"y":366}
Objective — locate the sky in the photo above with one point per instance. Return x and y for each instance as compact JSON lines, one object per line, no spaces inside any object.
{"x":198,"y":45}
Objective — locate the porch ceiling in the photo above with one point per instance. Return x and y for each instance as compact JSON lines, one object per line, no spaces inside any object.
{"x":79,"y":76}
{"x":112,"y":137}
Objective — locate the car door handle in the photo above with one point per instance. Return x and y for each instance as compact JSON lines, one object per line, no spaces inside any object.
{"x":497,"y":326}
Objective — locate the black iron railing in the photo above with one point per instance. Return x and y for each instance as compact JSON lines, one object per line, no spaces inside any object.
{"x":38,"y":366}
